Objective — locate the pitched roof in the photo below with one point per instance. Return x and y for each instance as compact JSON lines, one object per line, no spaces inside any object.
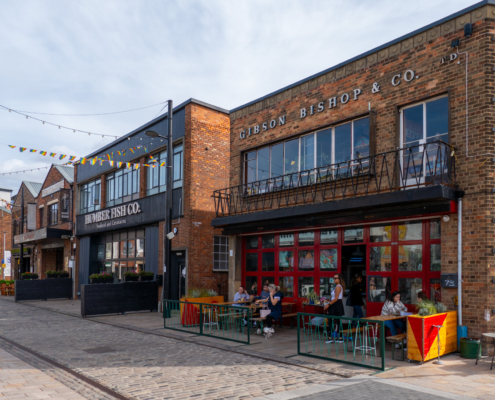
{"x":33,"y":187}
{"x":66,"y":171}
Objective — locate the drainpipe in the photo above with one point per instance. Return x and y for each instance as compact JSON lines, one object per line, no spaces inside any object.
{"x":459,"y":261}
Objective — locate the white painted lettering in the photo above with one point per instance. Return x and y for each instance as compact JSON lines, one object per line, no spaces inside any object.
{"x":265,"y":126}
{"x":303,"y":112}
{"x":321,"y":106}
{"x":281,"y":120}
{"x":311,"y":110}
{"x":332,"y":102}
{"x":273,"y":123}
{"x":409,"y":75}
{"x":453,"y":57}
{"x":249,"y":131}
{"x":396,"y":80}
{"x":243,"y":135}
{"x":344,"y":98}
{"x":256,"y":129}
{"x":357,"y":92}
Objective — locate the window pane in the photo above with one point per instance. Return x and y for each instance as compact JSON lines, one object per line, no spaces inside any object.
{"x":435,"y":229}
{"x":131,"y":248}
{"x":115,"y":249}
{"x":263,"y":163}
{"x":252,"y":285}
{"x":252,"y":242}
{"x":252,"y":262}
{"x":326,"y":286}
{"x":354,"y":235}
{"x":267,"y":280}
{"x":291,"y":157}
{"x":306,"y":286}
{"x":381,"y":258}
{"x":409,"y":289}
{"x":361,"y":138}
{"x":410,"y":230}
{"x":286,"y":261}
{"x":413,"y":124}
{"x":268,"y":261}
{"x":276,"y":161}
{"x":177,"y":166}
{"x":108,"y":250}
{"x":306,"y":260}
{"x":379,"y":289}
{"x":343,"y":143}
{"x":306,"y":239}
{"x":435,"y":291}
{"x":307,"y":152}
{"x":286,"y":240}
{"x":139,"y":247}
{"x":115,"y":269}
{"x":163,"y":170}
{"x":328,"y":259}
{"x":381,"y":233}
{"x":324,"y":148}
{"x":437,"y":118}
{"x":286,"y":284}
{"x":411,"y":258}
{"x":139,"y":266}
{"x":108,"y":267}
{"x":268,"y":241}
{"x":101,"y":252}
{"x":251,"y":170}
{"x":123,"y":250}
{"x":435,"y":257}
{"x":329,"y":237}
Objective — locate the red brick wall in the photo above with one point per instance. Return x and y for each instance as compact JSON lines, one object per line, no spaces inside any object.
{"x":5,"y":226}
{"x":476,"y":175}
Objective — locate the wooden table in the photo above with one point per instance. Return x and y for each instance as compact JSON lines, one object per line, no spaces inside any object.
{"x":488,"y":335}
{"x":386,"y":317}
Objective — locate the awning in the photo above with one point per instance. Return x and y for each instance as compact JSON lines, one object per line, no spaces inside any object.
{"x":40,"y":234}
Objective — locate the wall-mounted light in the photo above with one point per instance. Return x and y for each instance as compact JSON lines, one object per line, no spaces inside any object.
{"x":455,"y":43}
{"x":468,"y":30}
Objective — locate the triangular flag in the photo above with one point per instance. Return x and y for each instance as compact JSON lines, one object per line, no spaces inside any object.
{"x":72,"y":158}
{"x":12,"y":147}
{"x":62,"y":156}
{"x":33,"y":151}
{"x":21,"y":149}
{"x":83,"y":161}
{"x":53,"y":154}
{"x":119,"y":164}
{"x":43,"y":153}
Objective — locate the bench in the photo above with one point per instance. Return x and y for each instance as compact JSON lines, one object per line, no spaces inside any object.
{"x":397,"y":339}
{"x":291,"y":316}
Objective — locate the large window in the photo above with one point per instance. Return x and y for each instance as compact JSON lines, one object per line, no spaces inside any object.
{"x":53,"y":214}
{"x":339,"y":144}
{"x":90,"y":196}
{"x":120,"y":252}
{"x":394,"y":256}
{"x":157,"y":176}
{"x":42,"y":221}
{"x":122,"y":186}
{"x":220,"y":253}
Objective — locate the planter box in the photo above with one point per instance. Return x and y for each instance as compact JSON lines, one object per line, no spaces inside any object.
{"x":191,"y":316}
{"x":146,"y":278}
{"x":140,"y":296}
{"x":422,"y":344}
{"x":25,"y":278}
{"x":131,"y":278}
{"x":43,"y":289}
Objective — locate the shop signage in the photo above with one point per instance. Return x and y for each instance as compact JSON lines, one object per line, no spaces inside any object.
{"x":65,"y":205}
{"x":449,"y":280}
{"x":107,"y":217}
{"x":328,"y":104}
{"x":30,"y":236}
{"x":52,"y":189}
{"x":450,"y":58}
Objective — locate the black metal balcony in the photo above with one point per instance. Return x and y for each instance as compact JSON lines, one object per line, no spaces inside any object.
{"x":401,"y":169}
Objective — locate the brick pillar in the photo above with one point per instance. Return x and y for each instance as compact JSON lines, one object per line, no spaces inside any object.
{"x":143,"y":174}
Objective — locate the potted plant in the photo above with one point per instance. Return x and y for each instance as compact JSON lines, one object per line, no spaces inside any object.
{"x":106,"y":277}
{"x":312,"y":298}
{"x":51,"y":274}
{"x":28,"y":276}
{"x":204,"y":296}
{"x":3,"y":287}
{"x":146,"y":275}
{"x":131,"y":276}
{"x":422,"y":342}
{"x":63,"y":274}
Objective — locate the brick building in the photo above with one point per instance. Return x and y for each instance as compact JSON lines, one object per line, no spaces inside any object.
{"x":5,"y":233}
{"x":120,"y":211}
{"x":362,"y":169}
{"x":30,"y":191}
{"x":49,"y":223}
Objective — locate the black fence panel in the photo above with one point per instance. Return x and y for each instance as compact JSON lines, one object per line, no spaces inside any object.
{"x":118,"y":298}
{"x":140,"y":296}
{"x":43,"y":289}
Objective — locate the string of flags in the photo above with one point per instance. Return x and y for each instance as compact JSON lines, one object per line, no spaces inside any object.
{"x":91,"y":160}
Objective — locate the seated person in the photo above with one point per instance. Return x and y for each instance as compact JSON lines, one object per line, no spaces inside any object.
{"x":265,"y":294}
{"x":275,"y":306}
{"x":241,"y":296}
{"x":394,"y":306}
{"x":421,"y":296}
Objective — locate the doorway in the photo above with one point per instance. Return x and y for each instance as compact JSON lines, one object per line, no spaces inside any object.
{"x":178,"y":274}
{"x":353,"y":264}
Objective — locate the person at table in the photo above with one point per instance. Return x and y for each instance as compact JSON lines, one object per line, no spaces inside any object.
{"x":335,"y":307}
{"x":356,"y":298}
{"x":421,"y":296}
{"x":241,"y":297}
{"x":275,"y":306}
{"x":265,"y":294}
{"x":393,"y":306}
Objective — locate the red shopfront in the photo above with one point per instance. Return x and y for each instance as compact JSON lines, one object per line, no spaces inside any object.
{"x":403,"y":256}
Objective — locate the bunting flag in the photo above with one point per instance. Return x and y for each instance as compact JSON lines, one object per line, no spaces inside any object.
{"x":62,"y":156}
{"x":33,"y":151}
{"x":119,"y":153}
{"x":111,"y":163}
{"x":93,"y":161}
{"x":21,"y":149}
{"x":119,"y":164}
{"x":132,"y":150}
{"x":101,"y":162}
{"x":12,"y":147}
{"x":72,"y":158}
{"x":136,"y":166}
{"x":82,"y":160}
{"x":110,"y":156}
{"x":128,"y":165}
{"x":162,"y":164}
{"x":53,"y":154}
{"x":43,"y":153}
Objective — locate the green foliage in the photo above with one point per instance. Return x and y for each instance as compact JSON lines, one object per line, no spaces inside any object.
{"x":426,"y":307}
{"x":146,"y":273}
{"x":29,"y":275}
{"x":51,"y":273}
{"x":131,"y":273}
{"x":197,"y":293}
{"x":441,"y":308}
{"x":312,"y":296}
{"x":212,"y":293}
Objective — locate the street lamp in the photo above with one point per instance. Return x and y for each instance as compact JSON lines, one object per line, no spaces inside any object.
{"x":168,"y":204}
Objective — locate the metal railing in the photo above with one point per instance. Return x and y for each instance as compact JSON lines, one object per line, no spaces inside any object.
{"x":208,"y":319}
{"x":404,"y":168}
{"x":336,"y":339}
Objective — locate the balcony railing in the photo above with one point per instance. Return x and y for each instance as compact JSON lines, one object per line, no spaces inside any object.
{"x":401,"y":169}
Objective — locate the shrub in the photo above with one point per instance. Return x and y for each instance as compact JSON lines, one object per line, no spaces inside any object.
{"x":51,"y":273}
{"x":2,"y":281}
{"x":426,"y":307}
{"x":131,"y":273}
{"x":146,"y":273}
{"x":441,"y":307}
{"x":194,"y":293}
{"x":100,"y":275}
{"x":212,"y":293}
{"x":29,"y":275}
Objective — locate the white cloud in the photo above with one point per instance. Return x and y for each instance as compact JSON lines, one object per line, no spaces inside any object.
{"x":94,"y":56}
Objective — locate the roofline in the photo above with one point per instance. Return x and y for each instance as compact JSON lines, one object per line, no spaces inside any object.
{"x":374,"y":50}
{"x":157,"y":119}
{"x":6,"y":190}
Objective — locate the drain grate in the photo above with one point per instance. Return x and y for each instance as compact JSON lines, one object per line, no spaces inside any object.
{"x":100,"y":350}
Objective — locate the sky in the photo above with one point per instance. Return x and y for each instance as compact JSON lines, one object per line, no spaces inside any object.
{"x":89,"y":57}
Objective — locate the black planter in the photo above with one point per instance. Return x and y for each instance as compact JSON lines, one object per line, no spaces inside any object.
{"x":63,"y":276}
{"x":146,"y":278}
{"x":131,"y":278}
{"x":26,"y":278}
{"x":51,"y":277}
{"x":96,"y":280}
{"x":107,"y":280}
